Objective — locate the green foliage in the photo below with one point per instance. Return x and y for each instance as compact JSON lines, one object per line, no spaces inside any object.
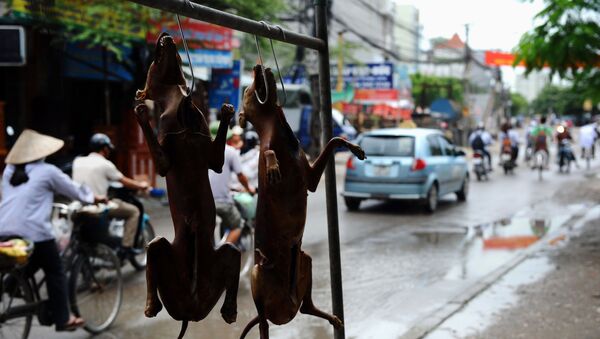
{"x":426,"y":88}
{"x":253,"y":9}
{"x":348,"y":51}
{"x":519,"y":104}
{"x":559,"y":100}
{"x":567,"y":40}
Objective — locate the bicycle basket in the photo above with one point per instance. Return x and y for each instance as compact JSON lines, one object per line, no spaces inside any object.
{"x":14,"y":251}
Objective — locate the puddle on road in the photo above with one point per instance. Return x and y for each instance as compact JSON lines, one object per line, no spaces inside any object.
{"x":487,"y":246}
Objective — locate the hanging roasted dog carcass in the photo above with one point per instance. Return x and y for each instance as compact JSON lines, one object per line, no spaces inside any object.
{"x":189,"y":274}
{"x":282,"y":274}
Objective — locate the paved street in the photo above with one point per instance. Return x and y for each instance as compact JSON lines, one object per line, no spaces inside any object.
{"x":399,"y":264}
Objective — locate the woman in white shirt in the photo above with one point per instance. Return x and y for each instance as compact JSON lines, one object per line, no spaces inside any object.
{"x":28,"y":188}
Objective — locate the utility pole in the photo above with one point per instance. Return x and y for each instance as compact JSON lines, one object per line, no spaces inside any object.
{"x":466,"y":95}
{"x":340,"y":66}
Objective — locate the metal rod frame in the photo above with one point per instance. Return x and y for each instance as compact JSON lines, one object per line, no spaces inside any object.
{"x":320,"y":44}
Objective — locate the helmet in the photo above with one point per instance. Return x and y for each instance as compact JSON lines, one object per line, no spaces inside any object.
{"x":480,"y":125}
{"x":251,"y":139}
{"x":99,"y":141}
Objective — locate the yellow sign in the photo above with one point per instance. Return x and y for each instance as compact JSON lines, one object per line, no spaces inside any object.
{"x":72,"y":12}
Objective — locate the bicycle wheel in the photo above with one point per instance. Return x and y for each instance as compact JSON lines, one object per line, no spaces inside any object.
{"x":15,"y":294}
{"x":96,"y":288}
{"x":139,"y":261}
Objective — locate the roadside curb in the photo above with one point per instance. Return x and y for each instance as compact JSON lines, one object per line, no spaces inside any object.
{"x":431,"y":321}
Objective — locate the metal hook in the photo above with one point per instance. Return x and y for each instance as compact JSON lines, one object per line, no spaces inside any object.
{"x":276,"y":64}
{"x":187,"y":52}
{"x":262,"y":68}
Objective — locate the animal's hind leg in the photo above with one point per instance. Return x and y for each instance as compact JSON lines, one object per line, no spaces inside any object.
{"x":159,"y":256}
{"x":308,"y":307}
{"x":229,"y":264}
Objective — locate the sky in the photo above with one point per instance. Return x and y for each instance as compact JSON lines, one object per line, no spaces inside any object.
{"x":494,"y":24}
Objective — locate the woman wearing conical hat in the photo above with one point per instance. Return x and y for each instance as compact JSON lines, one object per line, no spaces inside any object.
{"x":28,"y":188}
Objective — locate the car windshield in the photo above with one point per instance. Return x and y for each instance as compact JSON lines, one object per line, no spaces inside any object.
{"x":384,"y":145}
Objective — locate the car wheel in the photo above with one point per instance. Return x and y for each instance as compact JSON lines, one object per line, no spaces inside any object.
{"x":464,"y":190}
{"x":353,"y":204}
{"x":431,"y":201}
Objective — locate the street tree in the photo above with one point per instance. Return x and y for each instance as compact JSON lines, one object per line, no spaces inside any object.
{"x":567,"y":41}
{"x":558,"y":100}
{"x":519,"y":104}
{"x":427,"y":88}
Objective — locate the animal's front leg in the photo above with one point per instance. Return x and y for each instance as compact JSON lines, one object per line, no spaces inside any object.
{"x":317,"y":168}
{"x":217,"y":155}
{"x":272,"y":164}
{"x":160,"y":157}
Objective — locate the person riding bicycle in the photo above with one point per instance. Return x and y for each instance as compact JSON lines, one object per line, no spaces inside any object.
{"x":97,"y":172}
{"x":541,"y":134}
{"x":28,"y":188}
{"x":220,"y":184}
{"x":480,"y":140}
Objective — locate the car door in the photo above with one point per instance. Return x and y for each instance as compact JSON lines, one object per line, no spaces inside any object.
{"x":436,"y":160}
{"x":453,"y":165}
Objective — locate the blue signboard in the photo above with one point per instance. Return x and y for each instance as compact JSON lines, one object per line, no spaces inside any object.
{"x":367,"y":76}
{"x":225,"y":86}
{"x":210,"y":58}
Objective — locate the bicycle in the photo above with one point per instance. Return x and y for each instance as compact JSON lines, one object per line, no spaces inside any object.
{"x":95,"y":288}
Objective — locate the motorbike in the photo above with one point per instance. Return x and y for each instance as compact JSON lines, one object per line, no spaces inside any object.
{"x":97,"y":227}
{"x":479,"y":167}
{"x":507,"y":159}
{"x":246,"y":205}
{"x":565,"y":156}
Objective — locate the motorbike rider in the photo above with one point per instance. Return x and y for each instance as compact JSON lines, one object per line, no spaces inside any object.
{"x":97,"y":172}
{"x":220,"y":184}
{"x":479,"y":140}
{"x":563,"y":134}
{"x":509,"y":138}
{"x":540,"y":134}
{"x":28,"y":188}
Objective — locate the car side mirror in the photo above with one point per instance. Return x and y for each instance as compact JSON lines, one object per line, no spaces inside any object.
{"x":459,"y":153}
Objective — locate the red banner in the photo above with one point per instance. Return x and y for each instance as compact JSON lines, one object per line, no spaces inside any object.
{"x":198,"y":34}
{"x":376,"y":94}
{"x":500,"y":59}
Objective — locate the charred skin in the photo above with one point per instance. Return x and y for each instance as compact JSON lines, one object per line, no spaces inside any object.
{"x":188,"y":274}
{"x":282,"y":275}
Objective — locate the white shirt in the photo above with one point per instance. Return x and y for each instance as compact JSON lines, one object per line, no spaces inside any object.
{"x":25,"y":209}
{"x":587,"y":135}
{"x":95,"y":171}
{"x":485,"y":137}
{"x":219,"y":182}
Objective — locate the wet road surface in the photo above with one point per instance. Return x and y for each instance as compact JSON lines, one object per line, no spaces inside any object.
{"x":399,"y":263}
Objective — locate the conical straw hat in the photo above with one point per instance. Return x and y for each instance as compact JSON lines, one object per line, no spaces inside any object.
{"x":32,"y":146}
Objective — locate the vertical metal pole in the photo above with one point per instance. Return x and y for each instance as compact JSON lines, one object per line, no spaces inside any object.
{"x":330,"y":182}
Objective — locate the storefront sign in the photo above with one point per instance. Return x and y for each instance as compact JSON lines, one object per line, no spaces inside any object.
{"x":366,"y":76}
{"x":198,"y":34}
{"x":225,"y":86}
{"x":210,"y":58}
{"x":72,"y":12}
{"x":500,"y":59}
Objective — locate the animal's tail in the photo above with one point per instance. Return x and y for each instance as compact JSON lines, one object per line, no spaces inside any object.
{"x":251,"y":324}
{"x":184,"y":325}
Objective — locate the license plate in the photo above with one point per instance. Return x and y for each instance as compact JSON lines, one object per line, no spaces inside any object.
{"x":477,"y":161}
{"x":506,"y":157}
{"x":381,"y":171}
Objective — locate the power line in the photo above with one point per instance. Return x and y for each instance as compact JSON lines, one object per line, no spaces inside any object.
{"x":373,"y":9}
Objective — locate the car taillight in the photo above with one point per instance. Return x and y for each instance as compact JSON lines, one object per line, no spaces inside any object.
{"x":476,"y":155}
{"x":350,"y":164}
{"x":418,"y":164}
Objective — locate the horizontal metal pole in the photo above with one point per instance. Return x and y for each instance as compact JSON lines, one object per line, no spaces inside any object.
{"x":213,"y":16}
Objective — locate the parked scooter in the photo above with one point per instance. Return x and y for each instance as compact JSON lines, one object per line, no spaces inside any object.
{"x":479,"y":167}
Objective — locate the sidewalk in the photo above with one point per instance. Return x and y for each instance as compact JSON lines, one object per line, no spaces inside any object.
{"x":553,"y":293}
